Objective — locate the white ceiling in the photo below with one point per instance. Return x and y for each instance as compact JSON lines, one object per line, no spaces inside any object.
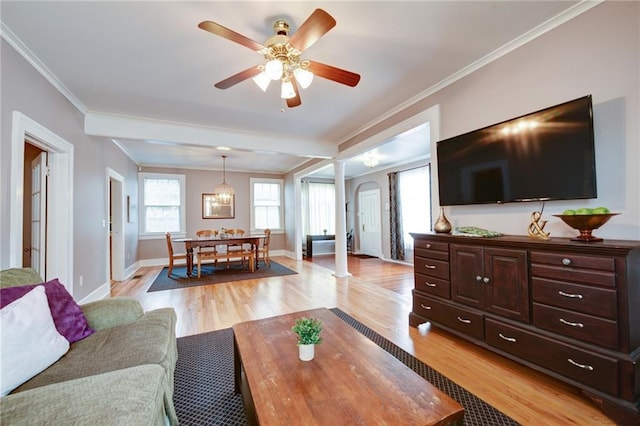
{"x":143,"y":72}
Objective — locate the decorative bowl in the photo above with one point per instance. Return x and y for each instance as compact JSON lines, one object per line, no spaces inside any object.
{"x":586,"y":223}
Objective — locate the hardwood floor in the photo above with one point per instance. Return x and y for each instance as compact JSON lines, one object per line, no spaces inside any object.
{"x":379,"y":295}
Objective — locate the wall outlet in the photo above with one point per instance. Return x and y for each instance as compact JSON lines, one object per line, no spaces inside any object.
{"x":81,"y":280}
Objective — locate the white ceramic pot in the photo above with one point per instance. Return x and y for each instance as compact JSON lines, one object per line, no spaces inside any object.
{"x":306,"y":352}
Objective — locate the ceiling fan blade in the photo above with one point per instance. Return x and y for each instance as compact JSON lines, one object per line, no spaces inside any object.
{"x":295,"y":101}
{"x":237,"y":78}
{"x":221,"y":31}
{"x":335,"y":74}
{"x":316,"y":25}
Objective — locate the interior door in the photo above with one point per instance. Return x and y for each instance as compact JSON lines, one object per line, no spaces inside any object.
{"x":39,"y":213}
{"x":370,"y":232}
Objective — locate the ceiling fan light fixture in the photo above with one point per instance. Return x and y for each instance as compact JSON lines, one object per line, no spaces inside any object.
{"x":304,"y":77}
{"x":262,"y":80}
{"x":287,"y":91}
{"x":282,"y":57}
{"x":274,"y":69}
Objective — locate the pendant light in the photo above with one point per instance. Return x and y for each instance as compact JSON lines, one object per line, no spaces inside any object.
{"x":223,"y":192}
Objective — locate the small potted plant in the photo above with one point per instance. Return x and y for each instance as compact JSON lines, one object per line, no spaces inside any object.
{"x":308,"y":331}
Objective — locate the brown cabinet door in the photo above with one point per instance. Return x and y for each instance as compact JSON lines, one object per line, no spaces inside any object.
{"x":494,"y":280}
{"x":466,"y":275}
{"x":506,"y":287}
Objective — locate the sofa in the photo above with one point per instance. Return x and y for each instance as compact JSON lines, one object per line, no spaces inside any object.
{"x":118,"y":370}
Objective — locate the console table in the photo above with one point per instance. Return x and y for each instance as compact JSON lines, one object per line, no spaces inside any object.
{"x":308,"y":252}
{"x":568,"y":309}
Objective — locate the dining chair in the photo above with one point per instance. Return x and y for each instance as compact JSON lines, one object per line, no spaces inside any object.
{"x":207,"y":233}
{"x":172,"y":255}
{"x":209,"y":255}
{"x":263,"y":251}
{"x":235,"y":250}
{"x":242,"y":254}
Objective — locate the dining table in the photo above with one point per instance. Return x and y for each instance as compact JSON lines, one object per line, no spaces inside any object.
{"x":220,"y":240}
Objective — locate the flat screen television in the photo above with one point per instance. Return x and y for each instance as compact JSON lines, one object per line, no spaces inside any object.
{"x":545,"y":155}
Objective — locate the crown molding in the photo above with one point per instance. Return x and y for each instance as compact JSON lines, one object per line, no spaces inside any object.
{"x":543,"y":28}
{"x":39,"y":66}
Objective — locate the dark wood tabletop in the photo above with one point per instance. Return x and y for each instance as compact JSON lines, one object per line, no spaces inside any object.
{"x":351,"y":380}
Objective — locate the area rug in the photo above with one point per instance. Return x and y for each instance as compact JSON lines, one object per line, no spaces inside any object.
{"x":204,"y":380}
{"x":364,"y":256}
{"x":215,"y":275}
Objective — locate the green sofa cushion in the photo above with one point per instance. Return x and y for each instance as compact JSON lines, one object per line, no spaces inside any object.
{"x":112,"y":312}
{"x":132,"y":396}
{"x":19,"y":276}
{"x":149,"y":340}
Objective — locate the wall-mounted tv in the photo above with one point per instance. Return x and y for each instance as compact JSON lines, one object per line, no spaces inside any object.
{"x":545,"y":155}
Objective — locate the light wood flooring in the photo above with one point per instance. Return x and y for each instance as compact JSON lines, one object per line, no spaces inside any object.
{"x":377,"y":294}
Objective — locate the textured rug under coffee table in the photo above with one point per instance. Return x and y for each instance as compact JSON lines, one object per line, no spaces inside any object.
{"x":204,"y":380}
{"x":215,"y":275}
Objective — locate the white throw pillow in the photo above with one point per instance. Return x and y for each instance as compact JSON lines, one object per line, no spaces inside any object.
{"x":29,"y":340}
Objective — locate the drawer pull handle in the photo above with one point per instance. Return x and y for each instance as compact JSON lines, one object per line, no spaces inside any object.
{"x":430,"y":266}
{"x":478,"y":278}
{"x":572,"y":324}
{"x":486,"y":280}
{"x":466,"y":321}
{"x":428,"y":245}
{"x":566,"y":261}
{"x":573,"y":296}
{"x":577,"y":364}
{"x":428,"y":308}
{"x":508,"y":339}
{"x":430,"y":284}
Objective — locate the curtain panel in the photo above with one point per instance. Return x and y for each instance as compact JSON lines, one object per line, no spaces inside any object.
{"x":395,"y":215}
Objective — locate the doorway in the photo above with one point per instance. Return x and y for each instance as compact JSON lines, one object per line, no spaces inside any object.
{"x":115,"y":230}
{"x":34,"y":230}
{"x":369,"y":227}
{"x":59,"y":214}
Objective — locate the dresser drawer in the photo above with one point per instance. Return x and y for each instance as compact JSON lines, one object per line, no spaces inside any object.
{"x":594,"y":370}
{"x":575,"y":275}
{"x":597,"y":301}
{"x":432,"y":250}
{"x":432,"y":285}
{"x":575,"y":261}
{"x":587,"y":328}
{"x":469,"y":323}
{"x":431,"y":267}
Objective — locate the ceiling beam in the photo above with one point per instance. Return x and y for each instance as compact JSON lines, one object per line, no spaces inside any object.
{"x":118,"y":126}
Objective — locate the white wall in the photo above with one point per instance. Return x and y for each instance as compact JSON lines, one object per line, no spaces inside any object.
{"x":596,"y":53}
{"x":26,"y":91}
{"x":197,"y":183}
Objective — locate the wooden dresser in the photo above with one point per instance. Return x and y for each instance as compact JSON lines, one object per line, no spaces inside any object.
{"x":569,"y":309}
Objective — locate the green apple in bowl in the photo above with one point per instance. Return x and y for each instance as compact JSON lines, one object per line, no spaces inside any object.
{"x":569,"y":212}
{"x":584,"y":211}
{"x":601,"y":210}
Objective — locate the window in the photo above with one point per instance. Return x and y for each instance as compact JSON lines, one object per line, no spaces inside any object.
{"x":319,"y":208}
{"x":162,"y":201}
{"x":266,"y":204}
{"x":415,"y":199}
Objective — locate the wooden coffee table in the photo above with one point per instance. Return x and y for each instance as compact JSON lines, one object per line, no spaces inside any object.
{"x":351,"y":380}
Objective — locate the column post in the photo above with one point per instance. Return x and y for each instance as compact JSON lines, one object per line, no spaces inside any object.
{"x":341,"y":222}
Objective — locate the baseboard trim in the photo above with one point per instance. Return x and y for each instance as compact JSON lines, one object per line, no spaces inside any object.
{"x":100,"y":293}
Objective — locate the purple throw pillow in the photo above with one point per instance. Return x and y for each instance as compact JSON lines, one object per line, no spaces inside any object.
{"x":67,"y":315}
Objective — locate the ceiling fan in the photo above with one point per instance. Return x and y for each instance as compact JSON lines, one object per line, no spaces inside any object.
{"x":282,"y":54}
